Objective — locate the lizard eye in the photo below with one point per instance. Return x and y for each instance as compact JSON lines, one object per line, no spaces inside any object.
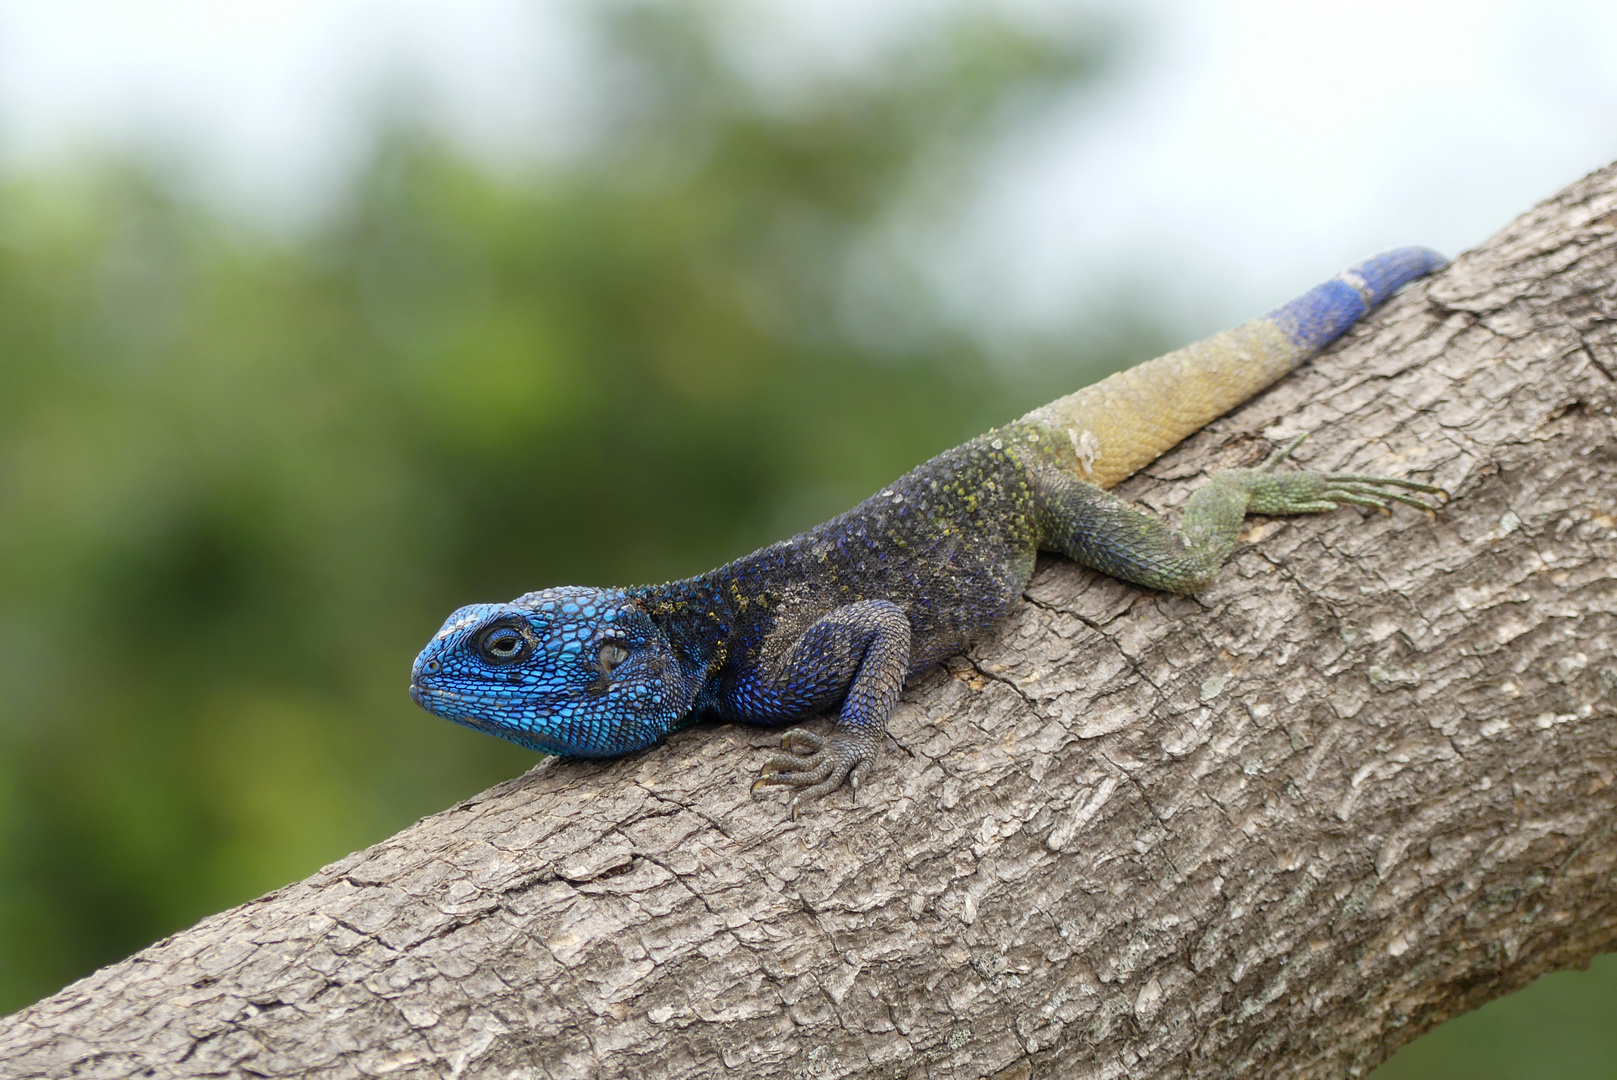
{"x":504,"y":644}
{"x":612,"y":654}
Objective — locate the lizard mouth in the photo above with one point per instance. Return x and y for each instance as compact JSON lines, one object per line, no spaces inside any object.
{"x":451,"y":706}
{"x":470,"y":710}
{"x":423,"y":695}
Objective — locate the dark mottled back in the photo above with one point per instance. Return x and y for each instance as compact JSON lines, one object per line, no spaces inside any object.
{"x":952,"y":542}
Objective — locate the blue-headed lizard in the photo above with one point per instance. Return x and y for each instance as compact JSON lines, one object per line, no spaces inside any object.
{"x":839,"y":616}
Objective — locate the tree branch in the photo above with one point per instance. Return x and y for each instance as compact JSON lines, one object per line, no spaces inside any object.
{"x":1363,"y":784}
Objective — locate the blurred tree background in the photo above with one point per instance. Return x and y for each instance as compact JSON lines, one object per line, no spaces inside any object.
{"x":244,"y":475}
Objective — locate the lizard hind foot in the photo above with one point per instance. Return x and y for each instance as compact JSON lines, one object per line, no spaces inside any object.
{"x":817,"y":764}
{"x":1369,"y":487}
{"x":1307,"y":492}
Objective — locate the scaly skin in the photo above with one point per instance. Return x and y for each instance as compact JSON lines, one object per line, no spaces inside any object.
{"x":838,"y":617}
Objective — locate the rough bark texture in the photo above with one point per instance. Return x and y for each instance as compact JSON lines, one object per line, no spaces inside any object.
{"x":1363,"y":784}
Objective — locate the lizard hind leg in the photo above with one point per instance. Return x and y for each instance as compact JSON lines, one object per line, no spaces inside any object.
{"x":1101,"y":531}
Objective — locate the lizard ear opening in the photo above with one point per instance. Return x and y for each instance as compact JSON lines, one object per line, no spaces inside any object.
{"x":611,"y":655}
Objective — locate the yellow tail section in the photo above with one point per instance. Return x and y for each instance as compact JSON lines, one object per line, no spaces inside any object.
{"x":1108,"y":431}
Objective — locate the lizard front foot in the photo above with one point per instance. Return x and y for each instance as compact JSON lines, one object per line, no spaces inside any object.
{"x":817,"y":764}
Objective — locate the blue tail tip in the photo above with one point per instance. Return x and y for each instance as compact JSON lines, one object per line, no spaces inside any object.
{"x":1322,"y":313}
{"x":1386,"y":273}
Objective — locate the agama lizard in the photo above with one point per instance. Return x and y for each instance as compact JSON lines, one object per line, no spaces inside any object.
{"x":837,"y":617}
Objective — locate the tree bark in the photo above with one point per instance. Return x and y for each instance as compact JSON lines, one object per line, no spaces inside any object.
{"x":1361,"y":785}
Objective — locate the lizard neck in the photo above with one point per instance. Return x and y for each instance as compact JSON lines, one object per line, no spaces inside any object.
{"x":697,"y":618}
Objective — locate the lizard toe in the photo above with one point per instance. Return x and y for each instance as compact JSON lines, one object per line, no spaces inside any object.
{"x":793,"y":769}
{"x":802,"y":741}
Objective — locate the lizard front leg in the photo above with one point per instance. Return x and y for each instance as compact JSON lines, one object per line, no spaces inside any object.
{"x":859,"y":655}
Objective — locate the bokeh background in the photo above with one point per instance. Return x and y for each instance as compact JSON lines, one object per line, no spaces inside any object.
{"x":320,"y":319}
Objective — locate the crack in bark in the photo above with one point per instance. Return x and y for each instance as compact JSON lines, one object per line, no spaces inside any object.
{"x":1599,"y":364}
{"x":1003,"y":681}
{"x":1139,"y":789}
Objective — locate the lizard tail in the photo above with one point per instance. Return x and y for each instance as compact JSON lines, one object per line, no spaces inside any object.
{"x":1323,"y":313}
{"x":1106,"y":432}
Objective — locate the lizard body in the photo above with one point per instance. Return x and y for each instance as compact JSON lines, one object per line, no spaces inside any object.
{"x":837,"y":617}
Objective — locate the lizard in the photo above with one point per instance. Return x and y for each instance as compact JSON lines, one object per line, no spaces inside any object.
{"x":838,"y":617}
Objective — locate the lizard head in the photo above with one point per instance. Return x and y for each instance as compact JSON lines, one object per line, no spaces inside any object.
{"x":574,"y":671}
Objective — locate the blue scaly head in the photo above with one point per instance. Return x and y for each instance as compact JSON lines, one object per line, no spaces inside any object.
{"x":572,"y":671}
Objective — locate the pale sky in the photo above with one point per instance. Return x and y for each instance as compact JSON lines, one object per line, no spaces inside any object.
{"x":1261,"y":143}
{"x":1246,"y":149}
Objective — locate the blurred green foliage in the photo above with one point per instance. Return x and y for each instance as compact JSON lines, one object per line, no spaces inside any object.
{"x":1563,"y":1027}
{"x":244,"y":476}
